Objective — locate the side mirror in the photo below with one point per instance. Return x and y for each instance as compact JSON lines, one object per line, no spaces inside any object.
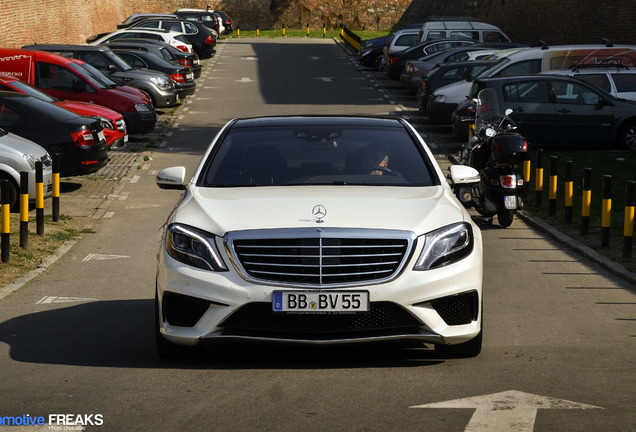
{"x":171,"y":178}
{"x":462,"y":175}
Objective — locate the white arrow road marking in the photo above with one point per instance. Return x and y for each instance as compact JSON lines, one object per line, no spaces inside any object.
{"x":245,"y":79}
{"x":506,"y":411}
{"x":99,"y":257}
{"x":141,"y":206}
{"x":54,"y":299}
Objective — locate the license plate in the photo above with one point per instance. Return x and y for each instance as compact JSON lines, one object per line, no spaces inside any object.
{"x":189,"y":76}
{"x":510,"y":202}
{"x":100,"y":135}
{"x":320,"y":301}
{"x":125,"y":138}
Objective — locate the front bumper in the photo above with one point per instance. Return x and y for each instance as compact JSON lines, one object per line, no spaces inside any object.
{"x":441,"y":306}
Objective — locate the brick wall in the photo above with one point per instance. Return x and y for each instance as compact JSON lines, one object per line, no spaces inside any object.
{"x":555,"y":21}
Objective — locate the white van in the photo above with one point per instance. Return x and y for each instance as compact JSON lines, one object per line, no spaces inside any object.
{"x":461,"y":28}
{"x":525,"y":61}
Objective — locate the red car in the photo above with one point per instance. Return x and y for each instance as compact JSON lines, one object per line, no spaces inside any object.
{"x":114,"y":125}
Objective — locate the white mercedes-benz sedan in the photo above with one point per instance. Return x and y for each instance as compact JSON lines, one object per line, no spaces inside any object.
{"x":319,"y":230}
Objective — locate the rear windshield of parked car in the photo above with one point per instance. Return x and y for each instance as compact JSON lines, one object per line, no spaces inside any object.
{"x":317,"y":155}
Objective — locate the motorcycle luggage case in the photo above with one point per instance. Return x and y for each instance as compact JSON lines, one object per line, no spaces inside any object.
{"x":509,"y":148}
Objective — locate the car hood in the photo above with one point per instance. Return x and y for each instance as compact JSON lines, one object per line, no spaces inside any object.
{"x":89,"y":109}
{"x":417,"y":209}
{"x":455,"y":92}
{"x":13,"y":147}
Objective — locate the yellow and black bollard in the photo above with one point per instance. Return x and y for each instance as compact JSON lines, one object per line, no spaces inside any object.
{"x":538,"y":184}
{"x":5,"y":221}
{"x":283,"y":29}
{"x":569,"y":192}
{"x":628,"y":230}
{"x":553,"y":186}
{"x":55,"y":198}
{"x":586,"y":201}
{"x":307,"y":29}
{"x":606,"y":216}
{"x":39,"y":198}
{"x":24,"y":209}
{"x":238,"y":31}
{"x":324,"y":30}
{"x":258,"y":31}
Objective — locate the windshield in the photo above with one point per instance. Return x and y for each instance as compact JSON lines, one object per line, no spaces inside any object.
{"x":92,"y":75}
{"x":486,"y":72}
{"x":317,"y":155}
{"x":115,"y":59}
{"x":32,"y":91}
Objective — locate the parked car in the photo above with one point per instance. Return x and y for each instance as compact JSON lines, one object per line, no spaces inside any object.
{"x":199,"y":36}
{"x":175,"y":39}
{"x":226,"y":21}
{"x":161,"y":49}
{"x":18,"y":155}
{"x":394,"y":63}
{"x":448,"y":73}
{"x":400,"y":40}
{"x":562,"y":111}
{"x":371,"y":52}
{"x":79,"y":140}
{"x":114,"y":125}
{"x":138,"y":17}
{"x":617,"y":80}
{"x":461,"y":28}
{"x":520,"y":61}
{"x":156,"y":84}
{"x":182,"y":76}
{"x":208,"y":18}
{"x":73,"y":79}
{"x":354,"y":215}
{"x":416,"y":69}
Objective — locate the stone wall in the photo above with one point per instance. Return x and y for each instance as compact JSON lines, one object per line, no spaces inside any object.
{"x":554,"y":21}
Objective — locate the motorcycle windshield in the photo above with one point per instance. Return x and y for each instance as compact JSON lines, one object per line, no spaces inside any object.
{"x":487,"y":113}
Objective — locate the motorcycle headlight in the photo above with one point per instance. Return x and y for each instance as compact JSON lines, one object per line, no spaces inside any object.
{"x":194,"y":247}
{"x":445,"y":246}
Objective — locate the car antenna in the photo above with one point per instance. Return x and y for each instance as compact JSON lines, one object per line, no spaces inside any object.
{"x":607,"y":42}
{"x":544,"y":44}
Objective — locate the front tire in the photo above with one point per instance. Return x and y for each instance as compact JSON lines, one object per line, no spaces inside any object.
{"x":627,"y":136}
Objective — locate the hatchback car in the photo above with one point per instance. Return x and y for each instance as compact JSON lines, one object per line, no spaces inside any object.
{"x":20,"y":155}
{"x":319,"y":230}
{"x":181,"y":76}
{"x":175,"y":39}
{"x":163,"y":50}
{"x":448,"y":73}
{"x":560,"y":111}
{"x":394,"y":63}
{"x":114,"y":125}
{"x":617,"y":80}
{"x":79,"y":140}
{"x":209,"y":18}
{"x":199,"y":36}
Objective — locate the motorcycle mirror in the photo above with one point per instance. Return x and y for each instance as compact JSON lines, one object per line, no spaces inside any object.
{"x":474,"y":101}
{"x":508,"y":112}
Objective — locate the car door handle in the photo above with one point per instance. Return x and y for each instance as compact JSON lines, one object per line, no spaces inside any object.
{"x":563,"y":110}
{"x":519,"y":109}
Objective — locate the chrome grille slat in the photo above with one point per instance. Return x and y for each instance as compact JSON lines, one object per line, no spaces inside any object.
{"x":320,"y":257}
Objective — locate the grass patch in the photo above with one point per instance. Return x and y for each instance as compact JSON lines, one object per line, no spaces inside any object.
{"x":313,"y":33}
{"x":621,"y":165}
{"x":23,"y":260}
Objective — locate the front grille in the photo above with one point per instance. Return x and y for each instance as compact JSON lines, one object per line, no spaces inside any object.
{"x":258,"y":320}
{"x":321,"y":257}
{"x":457,"y":309}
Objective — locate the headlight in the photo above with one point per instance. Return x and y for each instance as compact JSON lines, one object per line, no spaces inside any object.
{"x":440,"y":98}
{"x":142,"y":107}
{"x":106,"y":123}
{"x":445,"y":246}
{"x":194,"y":247}
{"x":161,"y":82}
{"x":31,"y":160}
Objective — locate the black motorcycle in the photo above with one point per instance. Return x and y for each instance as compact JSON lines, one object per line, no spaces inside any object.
{"x":496,"y":151}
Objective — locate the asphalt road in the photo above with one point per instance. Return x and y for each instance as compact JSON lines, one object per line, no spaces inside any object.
{"x":559,"y":333}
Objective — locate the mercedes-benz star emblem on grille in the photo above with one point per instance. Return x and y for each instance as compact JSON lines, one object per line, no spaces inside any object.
{"x":319,"y":213}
